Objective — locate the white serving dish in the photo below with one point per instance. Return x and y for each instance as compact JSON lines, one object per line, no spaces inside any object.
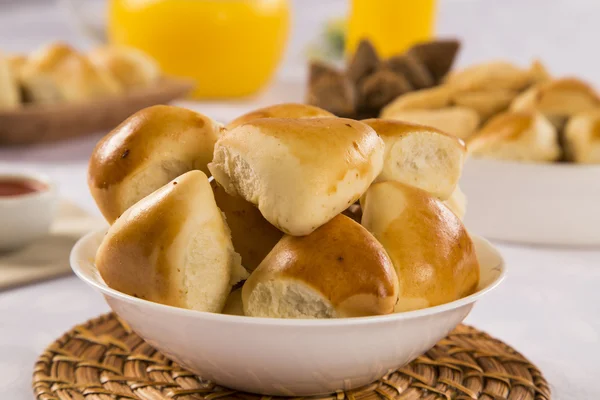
{"x":552,"y":204}
{"x":25,"y":218}
{"x":284,"y":356}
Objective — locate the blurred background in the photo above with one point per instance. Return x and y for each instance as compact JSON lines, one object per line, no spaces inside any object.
{"x":558,"y":31}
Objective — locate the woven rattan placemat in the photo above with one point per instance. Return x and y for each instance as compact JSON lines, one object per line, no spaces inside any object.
{"x":104,"y":360}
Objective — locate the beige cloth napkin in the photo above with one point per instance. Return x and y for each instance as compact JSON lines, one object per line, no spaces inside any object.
{"x":48,"y":257}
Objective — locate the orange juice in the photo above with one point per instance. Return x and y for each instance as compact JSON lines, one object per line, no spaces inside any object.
{"x":230,"y":47}
{"x":392,"y":25}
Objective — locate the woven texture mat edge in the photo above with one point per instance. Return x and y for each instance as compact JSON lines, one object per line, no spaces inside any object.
{"x":104,"y":360}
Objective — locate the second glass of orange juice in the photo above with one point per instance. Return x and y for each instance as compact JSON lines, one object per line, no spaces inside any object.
{"x":230,"y":47}
{"x":391,"y":25}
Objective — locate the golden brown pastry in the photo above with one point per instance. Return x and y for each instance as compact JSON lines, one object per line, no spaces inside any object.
{"x":495,"y":75}
{"x":150,"y":148}
{"x":299,"y":172}
{"x":582,"y":137}
{"x":172,"y":247}
{"x":233,"y":305}
{"x":420,"y":156}
{"x":58,"y":73}
{"x":252,"y":235}
{"x":285,"y":110}
{"x":558,"y":99}
{"x":17,"y":62}
{"x":539,"y":73}
{"x":427,"y":99}
{"x":486,"y":103}
{"x":517,"y":136}
{"x":9,"y":88}
{"x":461,"y":122}
{"x":457,"y":203}
{"x":431,"y":250}
{"x":339,"y":270}
{"x":131,"y":67}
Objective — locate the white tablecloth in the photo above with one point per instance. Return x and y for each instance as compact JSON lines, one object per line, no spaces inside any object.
{"x":549,"y":306}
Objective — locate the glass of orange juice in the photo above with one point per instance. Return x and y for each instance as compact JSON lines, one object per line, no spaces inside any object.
{"x":231,"y":48}
{"x":391,"y":25}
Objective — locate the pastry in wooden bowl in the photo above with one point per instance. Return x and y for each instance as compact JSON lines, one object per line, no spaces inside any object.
{"x":285,"y":110}
{"x":339,"y":270}
{"x":518,"y":136}
{"x":420,"y":156}
{"x":432,"y":252}
{"x":299,"y":172}
{"x":582,"y":137}
{"x":9,"y":88}
{"x":173,"y":247}
{"x":131,"y":67}
{"x":146,"y":151}
{"x":58,"y":73}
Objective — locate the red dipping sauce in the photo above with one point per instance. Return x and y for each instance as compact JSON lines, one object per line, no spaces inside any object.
{"x":10,"y":187}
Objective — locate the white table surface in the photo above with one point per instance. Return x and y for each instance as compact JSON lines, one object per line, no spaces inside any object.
{"x":549,"y":306}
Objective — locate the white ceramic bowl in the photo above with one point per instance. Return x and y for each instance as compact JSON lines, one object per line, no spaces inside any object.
{"x":287,"y":357}
{"x":24,"y":218}
{"x":555,"y":204}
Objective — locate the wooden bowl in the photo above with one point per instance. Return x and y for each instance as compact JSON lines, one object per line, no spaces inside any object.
{"x":45,"y":123}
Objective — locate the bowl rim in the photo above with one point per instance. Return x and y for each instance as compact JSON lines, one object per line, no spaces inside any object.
{"x":75,"y":256}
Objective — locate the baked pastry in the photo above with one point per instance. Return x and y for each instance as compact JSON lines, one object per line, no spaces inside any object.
{"x":461,"y":122}
{"x":493,"y":75}
{"x":17,"y":62}
{"x":427,"y":99}
{"x":582,"y":138}
{"x":420,"y":156}
{"x":299,"y":172}
{"x":9,"y":88}
{"x":233,"y":305}
{"x":518,"y":136}
{"x":57,"y":73}
{"x":285,"y":110}
{"x":150,"y":148}
{"x":430,"y":248}
{"x":558,"y":99}
{"x":252,"y":235}
{"x":131,"y":67}
{"x":539,"y":73}
{"x":339,"y":270}
{"x":457,"y":203}
{"x":172,"y":247}
{"x":486,"y":103}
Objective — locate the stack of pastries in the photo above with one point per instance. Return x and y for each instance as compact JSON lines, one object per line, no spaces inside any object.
{"x":510,"y":113}
{"x":253,"y":218}
{"x":58,"y":73}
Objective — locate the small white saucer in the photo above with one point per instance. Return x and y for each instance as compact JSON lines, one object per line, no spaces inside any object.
{"x":26,"y":217}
